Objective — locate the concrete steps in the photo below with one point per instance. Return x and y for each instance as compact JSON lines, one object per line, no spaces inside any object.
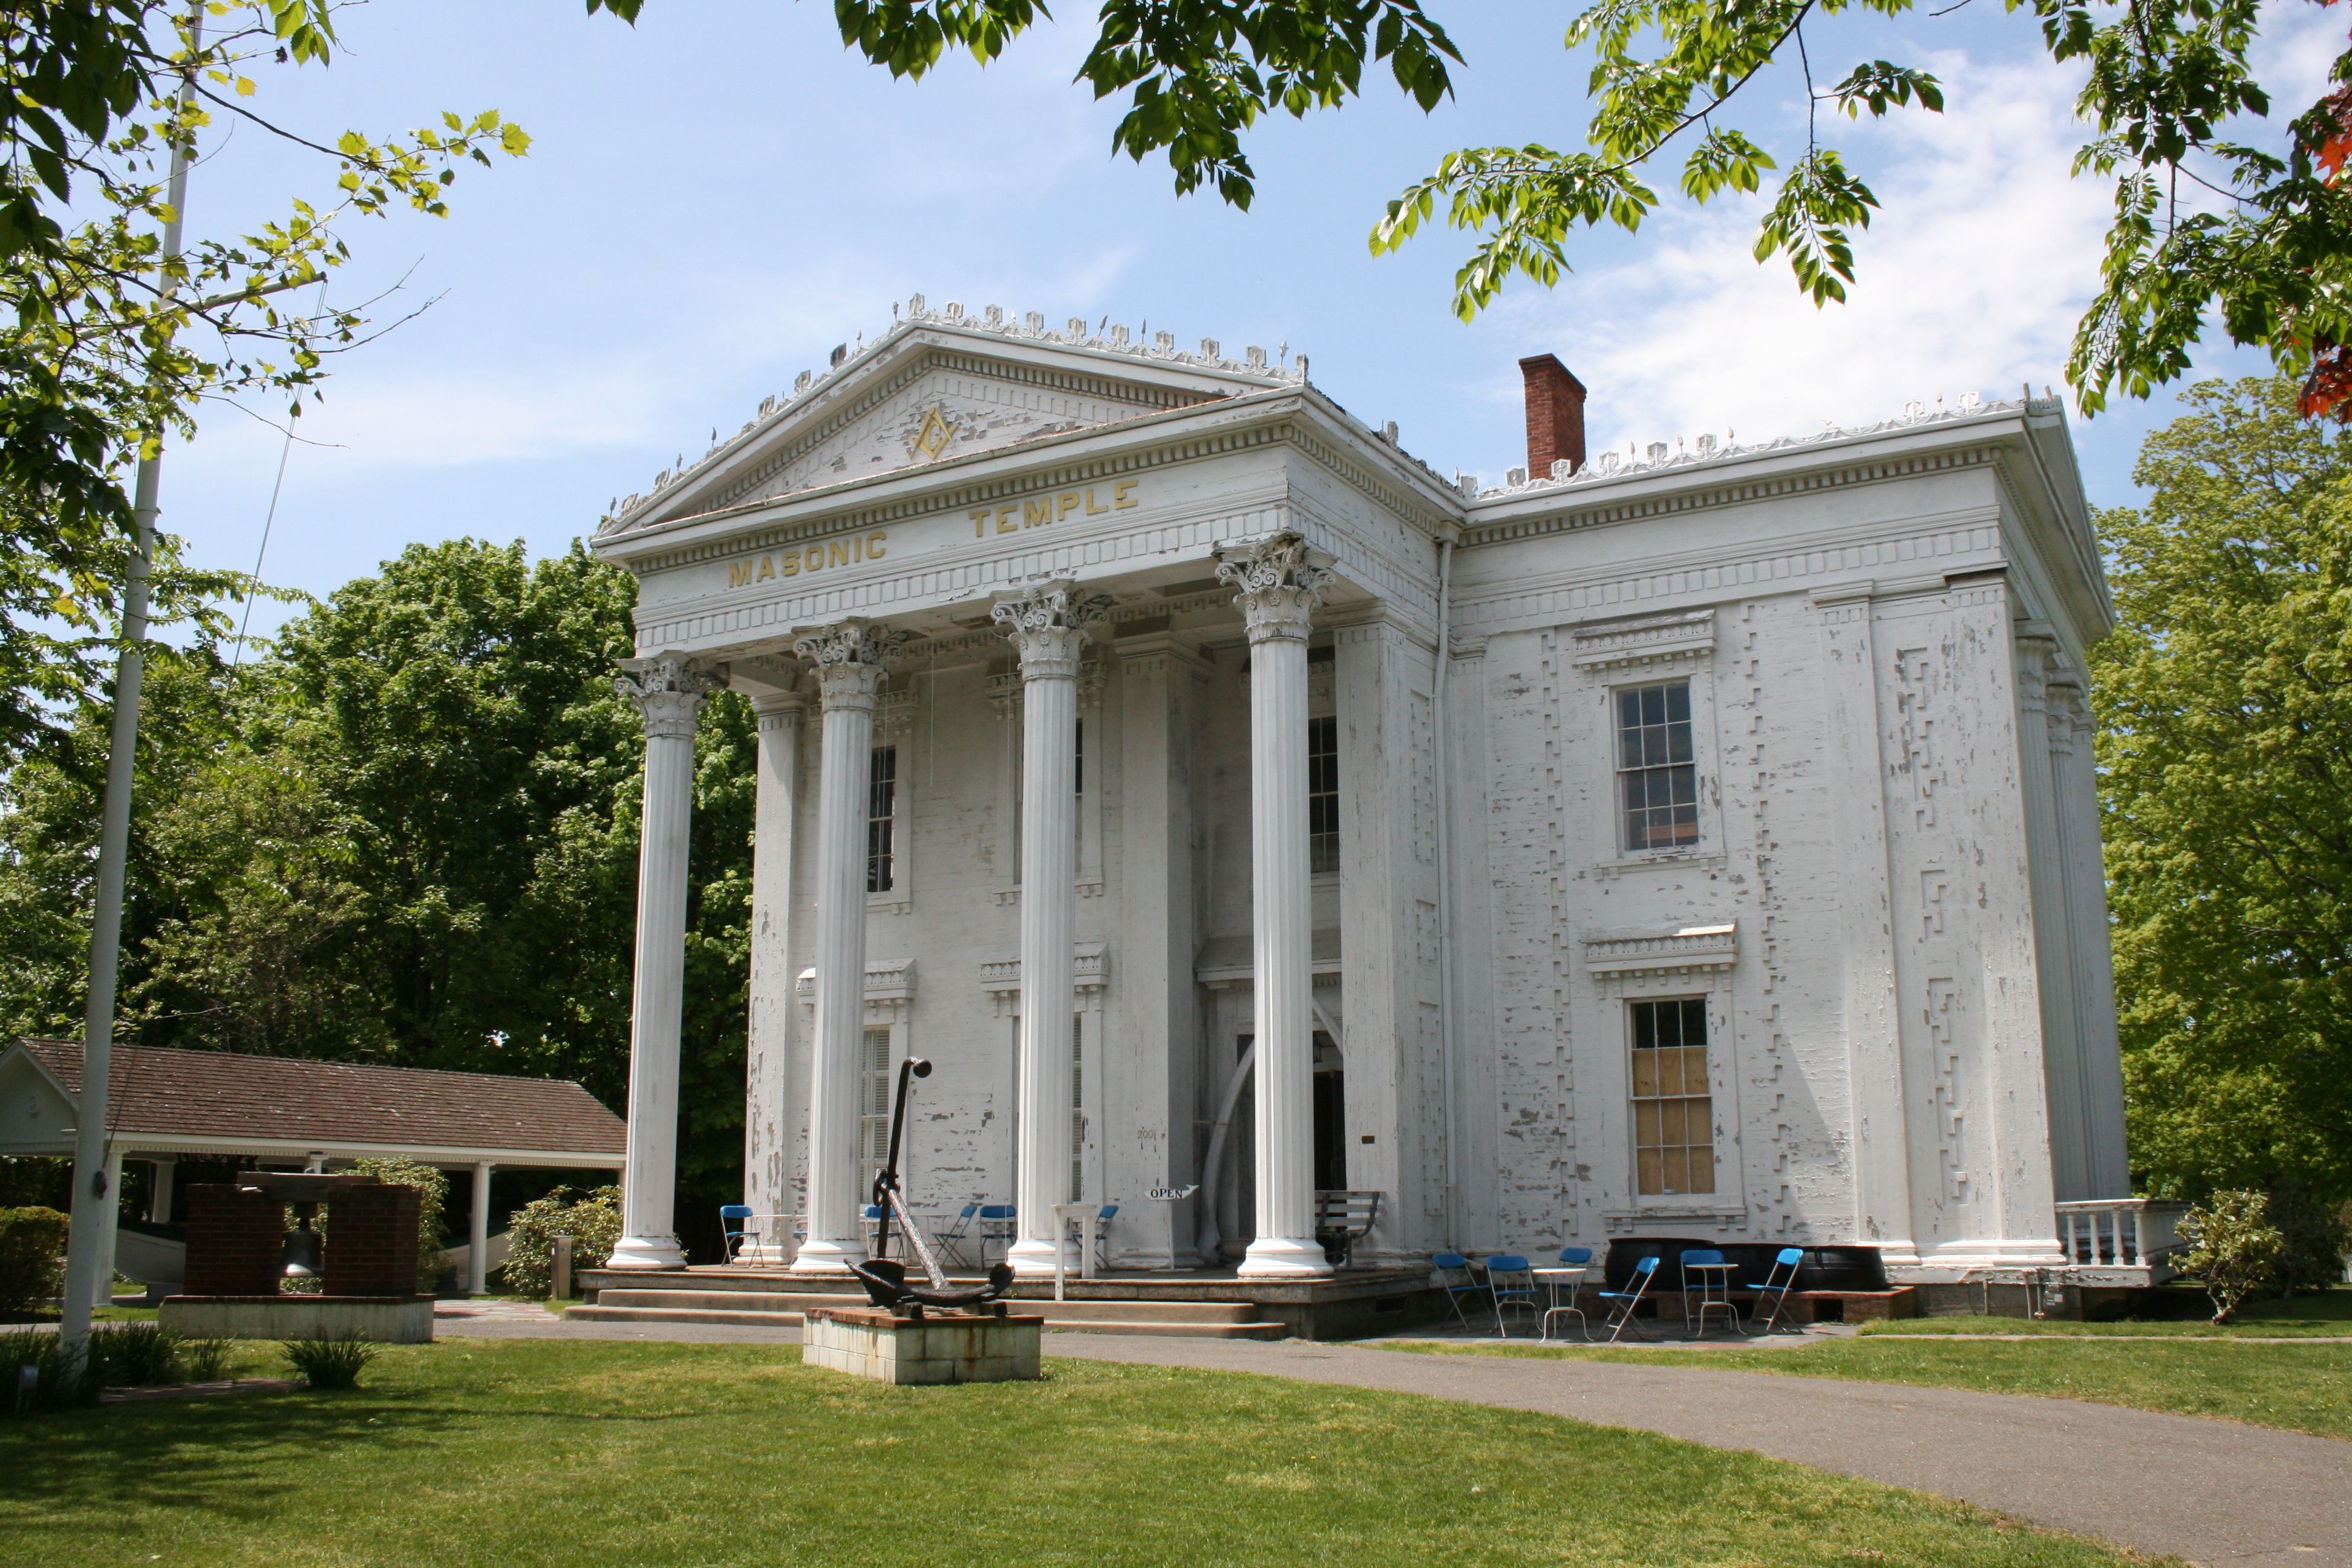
{"x":783,"y":1308}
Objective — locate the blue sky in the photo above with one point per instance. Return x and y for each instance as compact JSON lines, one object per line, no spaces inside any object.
{"x":716,"y":198}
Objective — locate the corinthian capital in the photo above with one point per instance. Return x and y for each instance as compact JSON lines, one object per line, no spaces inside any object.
{"x":665,"y":691}
{"x":1046,"y":621}
{"x":848,"y":656}
{"x":1277,"y":582}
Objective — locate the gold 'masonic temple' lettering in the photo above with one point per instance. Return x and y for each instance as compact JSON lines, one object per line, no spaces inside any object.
{"x":846,"y":550}
{"x":1037,"y":510}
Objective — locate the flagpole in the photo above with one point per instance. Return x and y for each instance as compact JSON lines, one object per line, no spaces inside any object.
{"x":87,"y":1273}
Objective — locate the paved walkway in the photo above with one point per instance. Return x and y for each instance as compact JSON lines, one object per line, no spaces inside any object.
{"x":2212,"y":1491}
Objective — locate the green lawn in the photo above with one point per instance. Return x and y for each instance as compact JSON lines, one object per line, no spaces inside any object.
{"x":2303,"y":1389}
{"x":572,"y":1453}
{"x":2328,"y":1315}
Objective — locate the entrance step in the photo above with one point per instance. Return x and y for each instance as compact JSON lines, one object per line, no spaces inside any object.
{"x":781,"y":1309}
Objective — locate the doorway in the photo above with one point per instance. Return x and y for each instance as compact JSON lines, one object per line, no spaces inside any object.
{"x":1330,"y":1116}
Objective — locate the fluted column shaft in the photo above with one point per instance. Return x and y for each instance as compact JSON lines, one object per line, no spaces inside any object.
{"x":767,"y":1164}
{"x":668,"y":694}
{"x":1278,"y":587}
{"x":848,"y":659}
{"x":1046,"y":625}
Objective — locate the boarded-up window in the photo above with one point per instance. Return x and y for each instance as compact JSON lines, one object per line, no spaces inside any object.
{"x":1674,"y":1116}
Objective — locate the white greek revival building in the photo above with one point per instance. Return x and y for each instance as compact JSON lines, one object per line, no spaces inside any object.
{"x":1701,"y":843}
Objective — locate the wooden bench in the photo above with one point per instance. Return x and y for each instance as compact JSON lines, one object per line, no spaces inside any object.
{"x":1340,"y":1219}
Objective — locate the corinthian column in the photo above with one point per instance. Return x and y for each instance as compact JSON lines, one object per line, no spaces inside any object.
{"x":767,"y":1124}
{"x":848,"y":658}
{"x":1047,"y":622}
{"x":1278,"y":586}
{"x":667,"y":693}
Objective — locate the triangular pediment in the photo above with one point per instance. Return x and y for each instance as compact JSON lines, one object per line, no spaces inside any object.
{"x":934,"y":389}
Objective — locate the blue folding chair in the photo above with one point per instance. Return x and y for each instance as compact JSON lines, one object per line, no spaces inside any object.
{"x":950,"y":1238}
{"x":1581,"y":1259}
{"x":1102,"y":1235}
{"x":1776,"y":1285}
{"x":732,"y":1233}
{"x":1714,"y":1287}
{"x":997,"y":1225}
{"x":1623,"y":1302}
{"x":1450,"y":1271}
{"x":1511,"y":1282}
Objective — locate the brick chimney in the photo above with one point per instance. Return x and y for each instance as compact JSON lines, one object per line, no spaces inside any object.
{"x":1555,"y":415}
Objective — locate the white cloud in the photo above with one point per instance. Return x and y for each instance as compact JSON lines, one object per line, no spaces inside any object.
{"x":1971,"y":280}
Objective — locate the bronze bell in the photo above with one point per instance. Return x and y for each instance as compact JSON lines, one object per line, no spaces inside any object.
{"x":305,"y":1250}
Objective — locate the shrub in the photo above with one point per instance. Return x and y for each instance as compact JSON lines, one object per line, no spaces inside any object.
{"x":2314,"y":1238}
{"x":134,"y":1355}
{"x":593,"y":1223}
{"x":32,"y":1255}
{"x":53,"y":1387}
{"x":432,"y":1195}
{"x":2233,"y":1249}
{"x":331,"y":1362}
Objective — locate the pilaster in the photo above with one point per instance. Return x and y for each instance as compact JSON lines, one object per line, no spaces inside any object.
{"x":2038,"y":737}
{"x":2014,"y":1217}
{"x":2107,"y":1162}
{"x":1388,"y":927}
{"x":1853,"y":728}
{"x":1157,"y":1021}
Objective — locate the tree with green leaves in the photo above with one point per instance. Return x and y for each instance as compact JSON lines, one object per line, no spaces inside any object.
{"x":2215,"y":222}
{"x":407,"y":834}
{"x":109,"y":341}
{"x":2225,"y":754}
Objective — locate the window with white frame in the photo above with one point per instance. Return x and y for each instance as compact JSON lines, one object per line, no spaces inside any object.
{"x":1674,"y":1111}
{"x":881,"y":821}
{"x":874,"y":1103}
{"x":1657,"y":771}
{"x":1323,"y":795}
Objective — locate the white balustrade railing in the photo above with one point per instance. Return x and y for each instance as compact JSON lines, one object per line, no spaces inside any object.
{"x":2119,"y":1232}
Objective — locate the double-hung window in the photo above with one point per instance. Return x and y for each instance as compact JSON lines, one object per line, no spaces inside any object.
{"x":1657,"y":775}
{"x":881,"y":821}
{"x":1323,"y":795}
{"x":874,"y":1103}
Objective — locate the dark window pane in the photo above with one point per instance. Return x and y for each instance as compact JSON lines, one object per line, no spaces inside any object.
{"x":882,"y":800}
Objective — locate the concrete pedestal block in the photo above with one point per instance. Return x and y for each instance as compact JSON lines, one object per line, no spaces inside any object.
{"x":868,"y":1343}
{"x":395,"y":1320}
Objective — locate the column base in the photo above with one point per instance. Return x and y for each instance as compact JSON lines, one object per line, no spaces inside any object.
{"x":828,"y":1257}
{"x":1035,"y":1259}
{"x":646,"y":1252}
{"x":1284,"y":1258}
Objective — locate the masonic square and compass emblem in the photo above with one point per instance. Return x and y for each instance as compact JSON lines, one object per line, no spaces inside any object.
{"x":932,"y":439}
